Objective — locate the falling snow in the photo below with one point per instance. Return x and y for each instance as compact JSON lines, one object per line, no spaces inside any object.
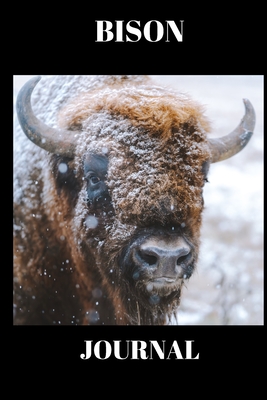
{"x":91,"y":222}
{"x":62,"y":168}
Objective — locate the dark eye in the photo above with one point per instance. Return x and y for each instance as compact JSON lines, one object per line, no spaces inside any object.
{"x":94,"y":179}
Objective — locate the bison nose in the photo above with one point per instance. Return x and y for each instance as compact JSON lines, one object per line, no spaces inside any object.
{"x":163,"y":259}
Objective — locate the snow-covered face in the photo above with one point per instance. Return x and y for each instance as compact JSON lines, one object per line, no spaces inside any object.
{"x":140,"y":209}
{"x":141,"y":201}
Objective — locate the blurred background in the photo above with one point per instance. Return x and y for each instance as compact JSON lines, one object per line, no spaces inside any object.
{"x":227,"y":287}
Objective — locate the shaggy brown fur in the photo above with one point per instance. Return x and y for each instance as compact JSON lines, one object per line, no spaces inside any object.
{"x":156,"y":145}
{"x":169,"y":143}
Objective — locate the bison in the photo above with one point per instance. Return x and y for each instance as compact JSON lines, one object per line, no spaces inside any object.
{"x":108,"y":198}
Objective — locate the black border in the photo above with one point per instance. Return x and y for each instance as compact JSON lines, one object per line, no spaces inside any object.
{"x":215,"y":42}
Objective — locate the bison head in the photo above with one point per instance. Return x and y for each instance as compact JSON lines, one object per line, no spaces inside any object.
{"x":134,"y":159}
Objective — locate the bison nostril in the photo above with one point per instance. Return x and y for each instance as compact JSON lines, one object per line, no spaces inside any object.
{"x":183,"y":258}
{"x":147,"y":258}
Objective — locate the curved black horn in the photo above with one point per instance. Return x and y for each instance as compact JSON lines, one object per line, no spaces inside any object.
{"x":229,"y":145}
{"x":58,"y":141}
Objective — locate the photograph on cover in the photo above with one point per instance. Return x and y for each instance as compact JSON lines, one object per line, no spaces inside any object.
{"x":138,"y":200}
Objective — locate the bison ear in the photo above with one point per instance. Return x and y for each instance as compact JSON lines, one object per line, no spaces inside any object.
{"x":65,"y":177}
{"x":229,"y":145}
{"x":62,"y":142}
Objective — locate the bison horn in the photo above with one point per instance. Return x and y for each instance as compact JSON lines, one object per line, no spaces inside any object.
{"x":229,"y":145}
{"x":58,"y":141}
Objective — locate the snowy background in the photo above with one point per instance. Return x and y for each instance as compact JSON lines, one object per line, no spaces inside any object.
{"x":227,"y":287}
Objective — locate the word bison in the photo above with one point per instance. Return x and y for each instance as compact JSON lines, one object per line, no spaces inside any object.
{"x":108,"y":198}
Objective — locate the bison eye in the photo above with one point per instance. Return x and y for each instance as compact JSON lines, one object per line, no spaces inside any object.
{"x":94,"y":179}
{"x":95,"y":173}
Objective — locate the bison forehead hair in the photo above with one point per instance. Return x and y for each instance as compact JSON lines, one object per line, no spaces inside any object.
{"x":155,"y":140}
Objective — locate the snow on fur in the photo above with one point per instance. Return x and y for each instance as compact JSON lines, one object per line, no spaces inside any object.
{"x":155,"y":140}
